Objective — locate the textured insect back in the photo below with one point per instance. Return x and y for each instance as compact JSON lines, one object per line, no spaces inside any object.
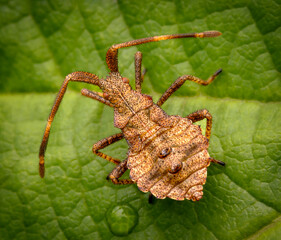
{"x":123,"y":114}
{"x":167,"y":154}
{"x":126,"y":101}
{"x":174,"y":164}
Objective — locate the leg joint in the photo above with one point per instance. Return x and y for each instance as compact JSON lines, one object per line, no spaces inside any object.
{"x":95,"y":148}
{"x":138,"y":54}
{"x":207,"y":114}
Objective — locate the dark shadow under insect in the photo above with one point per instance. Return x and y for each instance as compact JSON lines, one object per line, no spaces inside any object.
{"x":167,"y":155}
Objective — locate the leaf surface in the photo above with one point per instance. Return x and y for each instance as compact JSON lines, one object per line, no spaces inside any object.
{"x":42,"y":41}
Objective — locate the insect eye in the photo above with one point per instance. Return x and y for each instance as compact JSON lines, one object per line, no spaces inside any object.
{"x":125,"y":80}
{"x":164,"y":152}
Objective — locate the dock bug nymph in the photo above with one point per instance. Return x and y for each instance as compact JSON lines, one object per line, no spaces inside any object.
{"x":167,"y":155}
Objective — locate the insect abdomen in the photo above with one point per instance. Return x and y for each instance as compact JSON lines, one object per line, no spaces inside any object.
{"x":152,"y":173}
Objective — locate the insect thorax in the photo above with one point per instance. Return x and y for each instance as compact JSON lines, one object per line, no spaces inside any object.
{"x":126,"y":101}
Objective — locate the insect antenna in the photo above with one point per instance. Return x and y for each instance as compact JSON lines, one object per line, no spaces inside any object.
{"x":112,"y":53}
{"x":76,"y":77}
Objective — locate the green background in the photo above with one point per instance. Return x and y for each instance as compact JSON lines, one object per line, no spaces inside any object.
{"x":42,"y":41}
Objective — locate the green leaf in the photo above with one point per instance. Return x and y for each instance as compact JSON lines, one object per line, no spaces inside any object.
{"x":42,"y":41}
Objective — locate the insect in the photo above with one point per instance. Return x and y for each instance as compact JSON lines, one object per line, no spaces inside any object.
{"x":167,"y":154}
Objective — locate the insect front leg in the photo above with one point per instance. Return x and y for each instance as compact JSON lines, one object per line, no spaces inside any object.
{"x":138,"y":74}
{"x":117,"y":172}
{"x":181,"y":80}
{"x":104,"y":143}
{"x":97,"y":96}
{"x":75,"y":77}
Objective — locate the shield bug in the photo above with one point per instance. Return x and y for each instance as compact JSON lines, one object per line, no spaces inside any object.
{"x":167,"y":155}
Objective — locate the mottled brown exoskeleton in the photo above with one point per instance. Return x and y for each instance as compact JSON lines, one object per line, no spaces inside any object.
{"x":167,"y":154}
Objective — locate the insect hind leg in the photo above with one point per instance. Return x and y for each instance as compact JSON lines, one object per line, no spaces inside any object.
{"x":117,"y":172}
{"x":217,"y":161}
{"x":200,"y":115}
{"x":121,"y":167}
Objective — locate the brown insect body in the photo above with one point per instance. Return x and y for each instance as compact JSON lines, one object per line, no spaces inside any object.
{"x":181,"y":172}
{"x":167,"y":154}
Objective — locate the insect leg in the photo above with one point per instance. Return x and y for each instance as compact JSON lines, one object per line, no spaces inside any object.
{"x":117,"y":172}
{"x":181,"y":80}
{"x":76,"y":77}
{"x":138,"y":74}
{"x":112,"y":53}
{"x":96,"y":96}
{"x":200,"y":115}
{"x":150,"y":198}
{"x":217,"y":161}
{"x":104,"y":143}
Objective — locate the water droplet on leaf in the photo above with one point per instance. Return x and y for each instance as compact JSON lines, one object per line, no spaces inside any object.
{"x":121,"y":219}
